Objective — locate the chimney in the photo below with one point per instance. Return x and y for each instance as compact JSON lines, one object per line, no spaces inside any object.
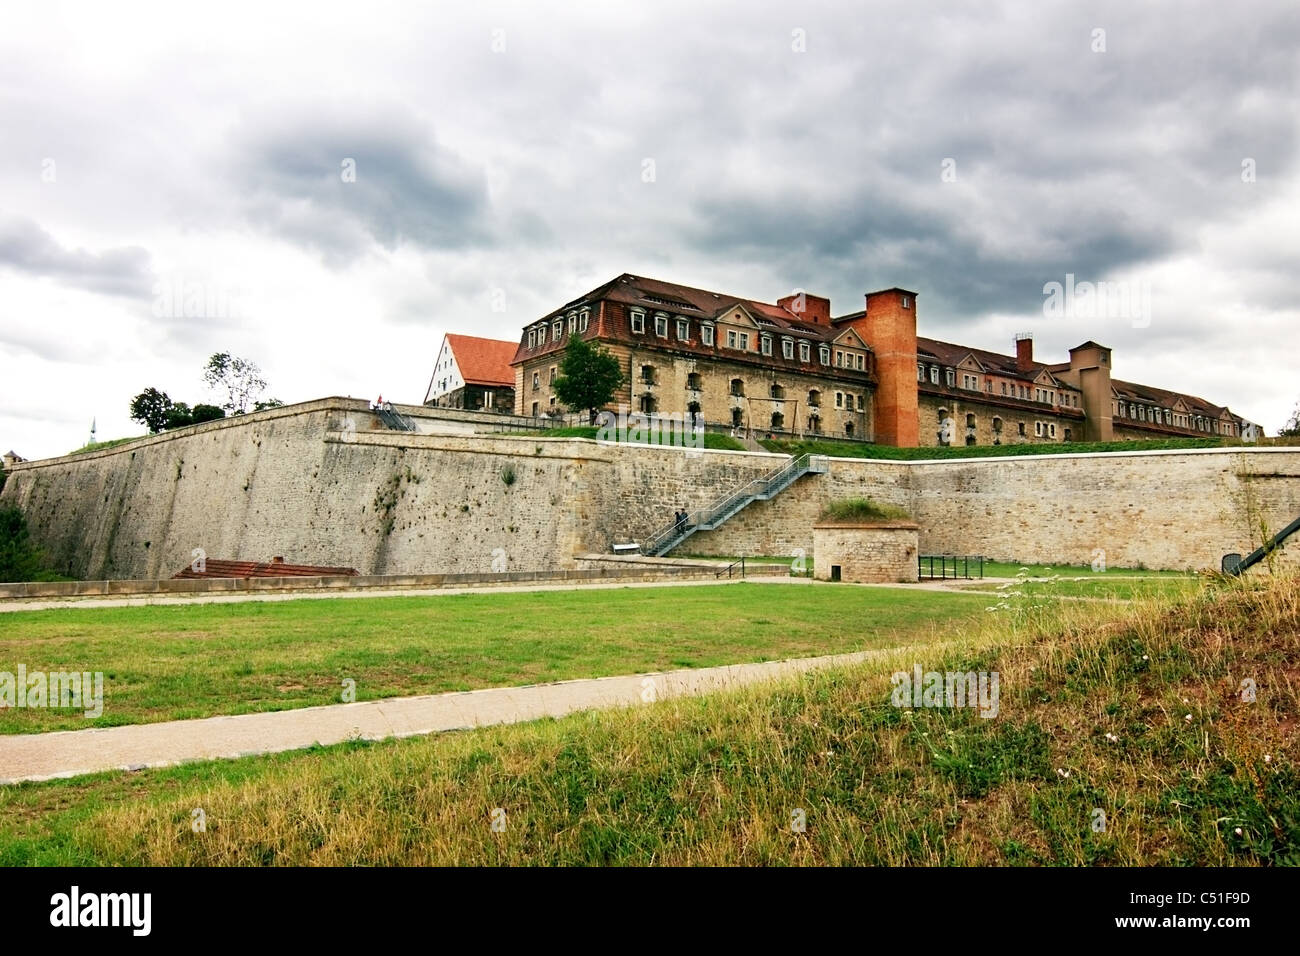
{"x":808,"y":307}
{"x":1024,"y":351}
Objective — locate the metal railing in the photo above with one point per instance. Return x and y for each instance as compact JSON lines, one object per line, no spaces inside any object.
{"x":1235,"y":564}
{"x":729,"y":570}
{"x":712,"y":515}
{"x":393,"y":418}
{"x":955,"y":566}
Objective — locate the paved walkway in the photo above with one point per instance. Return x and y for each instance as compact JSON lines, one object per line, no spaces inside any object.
{"x":74,"y":752}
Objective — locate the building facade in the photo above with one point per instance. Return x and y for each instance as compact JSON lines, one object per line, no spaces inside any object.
{"x":789,"y":368}
{"x":474,"y":373}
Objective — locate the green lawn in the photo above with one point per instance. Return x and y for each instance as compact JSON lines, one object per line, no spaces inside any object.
{"x":846,"y":449}
{"x":1134,"y":710}
{"x":1008,"y":569}
{"x":1101,"y":586}
{"x":170,"y":662}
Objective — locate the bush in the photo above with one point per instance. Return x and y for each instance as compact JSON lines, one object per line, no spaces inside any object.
{"x":20,"y":559}
{"x":861,"y":509}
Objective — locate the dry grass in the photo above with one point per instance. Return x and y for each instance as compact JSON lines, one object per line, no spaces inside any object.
{"x":1193,"y":774}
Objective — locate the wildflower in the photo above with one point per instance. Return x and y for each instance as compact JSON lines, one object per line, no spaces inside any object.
{"x":1063,"y":773}
{"x":1112,"y":738}
{"x":1187,"y":717}
{"x":1268,"y":758}
{"x":1237,"y":831}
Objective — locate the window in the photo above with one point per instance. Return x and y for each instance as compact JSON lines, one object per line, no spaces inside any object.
{"x":694,"y":409}
{"x":647,"y":404}
{"x":744,"y":341}
{"x":907,"y":302}
{"x":737,"y":418}
{"x":862,"y":363}
{"x":552,"y":402}
{"x":814,"y":399}
{"x":1004,"y":388}
{"x":1020,"y":429}
{"x":541,"y":334}
{"x":765,"y":344}
{"x":970,"y":421}
{"x":824,"y":354}
{"x":848,"y":429}
{"x":732,"y":338}
{"x":920,"y":373}
{"x":1067,"y":435}
{"x":1038,"y":429}
{"x":638,"y":321}
{"x":862,"y":404}
{"x":661,"y":325}
{"x":950,"y":377}
{"x":648,"y":374}
{"x":552,"y":377}
{"x":534,"y":409}
{"x":537,"y":381}
{"x":532,"y":338}
{"x":997,"y":426}
{"x":934,"y":375}
{"x":787,"y":348}
{"x":777,"y":391}
{"x":557,"y":329}
{"x":815,"y":424}
{"x":573,"y":322}
{"x":683,"y":329}
{"x":706,"y":334}
{"x":1051,"y":429}
{"x":583,"y":318}
{"x":839,"y":399}
{"x":778,"y":420}
{"x":693,"y":381}
{"x":737,"y":387}
{"x":839,"y":358}
{"x":805,"y":352}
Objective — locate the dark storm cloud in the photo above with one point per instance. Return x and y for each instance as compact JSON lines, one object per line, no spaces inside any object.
{"x":27,"y":248}
{"x":339,"y":185}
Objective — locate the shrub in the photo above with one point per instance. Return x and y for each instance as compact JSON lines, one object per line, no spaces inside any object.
{"x":861,"y":509}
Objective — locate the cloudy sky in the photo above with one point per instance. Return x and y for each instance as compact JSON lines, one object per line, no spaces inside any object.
{"x":178,"y":183}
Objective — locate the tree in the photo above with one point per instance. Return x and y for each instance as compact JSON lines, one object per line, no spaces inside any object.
{"x":268,"y":403}
{"x":179,"y":415}
{"x":239,"y":378}
{"x":206,"y":413}
{"x":588,"y":377}
{"x":1292,"y":428}
{"x":20,"y":559}
{"x":151,"y":408}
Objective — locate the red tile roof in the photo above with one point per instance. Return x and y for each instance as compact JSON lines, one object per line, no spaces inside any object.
{"x":275,"y":568}
{"x":483,"y":361}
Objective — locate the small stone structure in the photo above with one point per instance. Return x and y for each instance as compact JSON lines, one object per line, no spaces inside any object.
{"x":865,"y":551}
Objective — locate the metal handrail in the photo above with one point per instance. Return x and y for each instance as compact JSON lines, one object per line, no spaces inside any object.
{"x":724,"y":507}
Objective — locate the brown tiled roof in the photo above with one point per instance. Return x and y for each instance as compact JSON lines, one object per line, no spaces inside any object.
{"x":483,"y":361}
{"x":1166,"y":399}
{"x":609,"y":305}
{"x":948,"y":353}
{"x":216,"y":568}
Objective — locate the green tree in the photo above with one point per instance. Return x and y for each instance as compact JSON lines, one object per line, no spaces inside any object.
{"x":151,"y":408}
{"x":1292,"y":428}
{"x":239,"y":378}
{"x":268,"y":403}
{"x":20,"y":560}
{"x":206,"y":413}
{"x":588,"y":377}
{"x":179,"y":415}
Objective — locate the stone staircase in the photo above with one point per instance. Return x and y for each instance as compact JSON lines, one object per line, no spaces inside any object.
{"x":722,"y":509}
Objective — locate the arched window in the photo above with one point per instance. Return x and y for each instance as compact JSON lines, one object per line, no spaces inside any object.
{"x":778,"y":420}
{"x":814,"y":398}
{"x":737,"y":386}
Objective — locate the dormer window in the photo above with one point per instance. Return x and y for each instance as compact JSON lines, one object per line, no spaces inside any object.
{"x":638,"y":321}
{"x":765,"y":344}
{"x":934,"y":375}
{"x":683,"y":329}
{"x":787,"y":348}
{"x":532,"y":338}
{"x":661,"y":325}
{"x":557,"y":329}
{"x":950,"y":377}
{"x":584,"y":317}
{"x":824,"y":354}
{"x":573,"y":322}
{"x":706,"y":333}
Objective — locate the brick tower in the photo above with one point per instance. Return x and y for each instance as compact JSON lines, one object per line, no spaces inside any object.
{"x":889,"y":326}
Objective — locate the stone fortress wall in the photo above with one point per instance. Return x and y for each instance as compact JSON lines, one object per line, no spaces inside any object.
{"x":324,"y":482}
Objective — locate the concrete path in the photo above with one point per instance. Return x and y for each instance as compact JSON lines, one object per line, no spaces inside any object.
{"x":74,"y":752}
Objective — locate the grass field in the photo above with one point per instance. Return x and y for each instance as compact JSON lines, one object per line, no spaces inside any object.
{"x":1134,"y":711}
{"x":170,"y":662}
{"x":1101,"y":586}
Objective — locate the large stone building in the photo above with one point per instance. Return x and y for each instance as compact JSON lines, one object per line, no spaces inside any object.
{"x":471,"y":372}
{"x":791,"y":368}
